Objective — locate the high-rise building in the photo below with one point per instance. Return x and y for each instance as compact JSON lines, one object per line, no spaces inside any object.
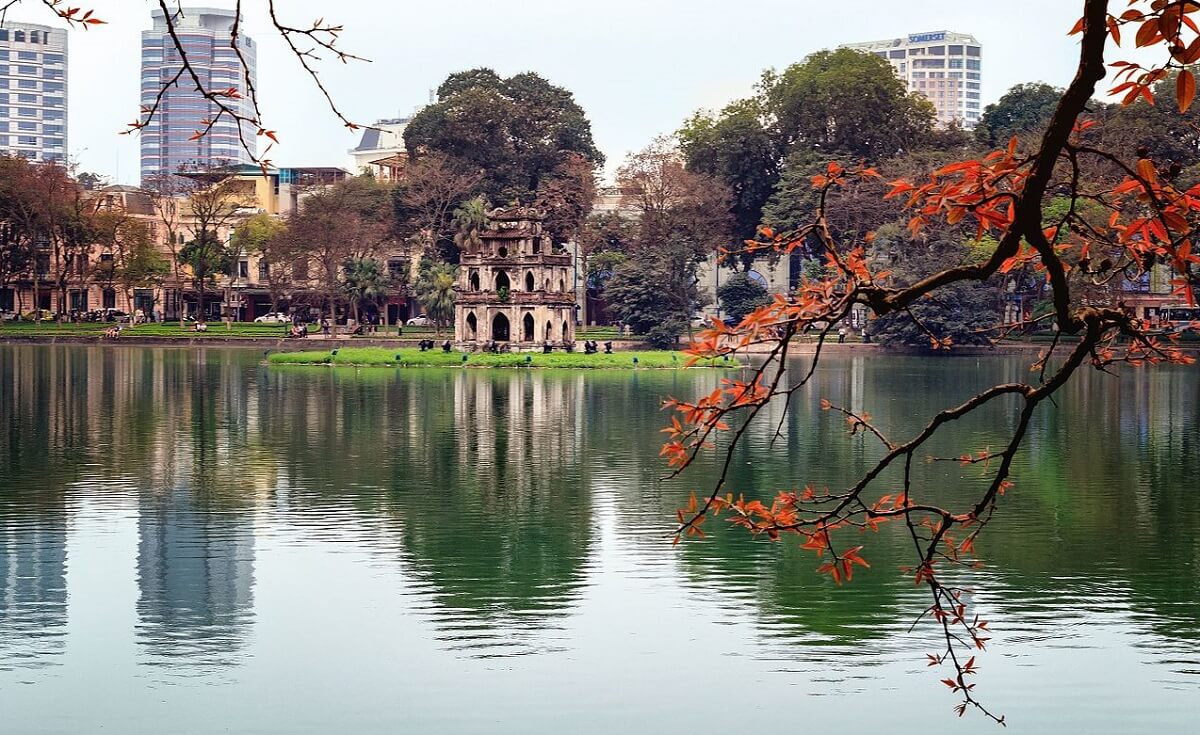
{"x":168,"y":141}
{"x":944,"y":66}
{"x":33,"y":91}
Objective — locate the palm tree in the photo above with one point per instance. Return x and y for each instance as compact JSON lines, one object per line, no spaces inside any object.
{"x":435,"y":289}
{"x":469,"y":221}
{"x":364,"y":280}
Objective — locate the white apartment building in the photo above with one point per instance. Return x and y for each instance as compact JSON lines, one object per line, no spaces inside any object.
{"x":33,"y":91}
{"x":381,"y":149}
{"x":944,"y":66}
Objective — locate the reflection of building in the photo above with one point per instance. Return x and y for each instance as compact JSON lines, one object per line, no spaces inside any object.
{"x":33,"y":584}
{"x":33,"y":118}
{"x":943,"y":66}
{"x":169,"y":143}
{"x":195,"y":576}
{"x":516,"y":286}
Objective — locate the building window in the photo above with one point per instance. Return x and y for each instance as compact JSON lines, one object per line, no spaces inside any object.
{"x":109,"y":299}
{"x":972,"y":51}
{"x":264,"y":271}
{"x":973,"y":64}
{"x":27,"y":84}
{"x":936,"y":50}
{"x":30,"y":70}
{"x":26,"y":140}
{"x":52,"y":101}
{"x":956,"y":50}
{"x":19,"y":36}
{"x":896,"y":54}
{"x":243,"y":269}
{"x":27,"y":56}
{"x":52,"y":58}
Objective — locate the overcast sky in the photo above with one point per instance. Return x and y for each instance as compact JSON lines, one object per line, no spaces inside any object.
{"x":638,"y":67}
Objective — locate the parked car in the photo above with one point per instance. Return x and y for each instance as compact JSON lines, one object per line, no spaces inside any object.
{"x":106,"y":315}
{"x":418,"y":321}
{"x":275,"y":318}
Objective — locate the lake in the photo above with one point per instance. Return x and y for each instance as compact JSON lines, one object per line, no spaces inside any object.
{"x":192,"y":542}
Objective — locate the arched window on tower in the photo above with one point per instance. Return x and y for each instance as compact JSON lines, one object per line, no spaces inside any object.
{"x":474,"y":280}
{"x":529,"y":285}
{"x":502,"y":282}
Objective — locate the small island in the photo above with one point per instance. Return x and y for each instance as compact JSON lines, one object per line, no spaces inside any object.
{"x":408,"y":357}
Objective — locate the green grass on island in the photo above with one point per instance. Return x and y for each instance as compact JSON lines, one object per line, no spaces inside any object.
{"x":408,"y":357}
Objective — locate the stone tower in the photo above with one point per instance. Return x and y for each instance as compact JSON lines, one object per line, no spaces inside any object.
{"x":514,"y":288}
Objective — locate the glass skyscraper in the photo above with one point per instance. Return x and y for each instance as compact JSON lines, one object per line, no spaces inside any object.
{"x":167,"y":141}
{"x":33,"y":91}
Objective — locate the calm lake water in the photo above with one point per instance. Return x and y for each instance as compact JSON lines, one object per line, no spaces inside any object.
{"x":191,"y":542}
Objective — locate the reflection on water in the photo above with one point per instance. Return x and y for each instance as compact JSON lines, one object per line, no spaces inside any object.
{"x":277,"y":539}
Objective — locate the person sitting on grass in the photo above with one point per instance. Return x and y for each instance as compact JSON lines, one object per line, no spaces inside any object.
{"x":446,"y":346}
{"x":201,"y":326}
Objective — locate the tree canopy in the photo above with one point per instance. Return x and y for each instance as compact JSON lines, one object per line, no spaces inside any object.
{"x":524,"y":135}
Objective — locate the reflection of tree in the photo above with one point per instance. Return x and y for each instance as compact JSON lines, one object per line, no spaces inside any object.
{"x":515,"y":494}
{"x":482,"y":470}
{"x":1111,"y":508}
{"x":491,"y":485}
{"x":1117,"y":503}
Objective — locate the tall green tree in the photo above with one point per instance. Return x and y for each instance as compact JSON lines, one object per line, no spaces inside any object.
{"x":738,"y":147}
{"x":520,"y":132}
{"x":846,"y":103}
{"x":348,"y":220}
{"x":434,"y":288}
{"x":264,"y":236}
{"x":209,"y":253}
{"x":365,"y":281}
{"x":739,"y":295}
{"x":1023,"y":110}
{"x":470,"y":219}
{"x":679,"y":219}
